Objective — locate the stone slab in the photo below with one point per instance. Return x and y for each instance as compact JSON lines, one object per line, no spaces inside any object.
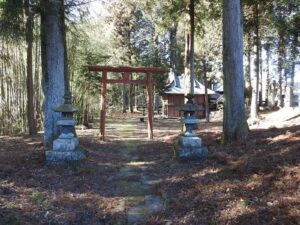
{"x":133,"y":188}
{"x":138,"y":214}
{"x":153,"y":204}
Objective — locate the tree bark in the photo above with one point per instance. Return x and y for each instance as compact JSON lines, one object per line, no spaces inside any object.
{"x":173,"y":47}
{"x":29,"y":79}
{"x":280,"y":66}
{"x":268,"y":74}
{"x":234,"y":125}
{"x":53,"y":64}
{"x":192,"y":37}
{"x":189,"y":49}
{"x":205,"y":91}
{"x":248,"y":68}
{"x":260,"y":90}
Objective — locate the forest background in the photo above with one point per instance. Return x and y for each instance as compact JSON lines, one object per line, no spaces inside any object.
{"x":143,"y":33}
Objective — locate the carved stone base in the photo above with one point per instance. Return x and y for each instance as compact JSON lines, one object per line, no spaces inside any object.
{"x":62,"y":157}
{"x":65,"y":144}
{"x":189,"y":148}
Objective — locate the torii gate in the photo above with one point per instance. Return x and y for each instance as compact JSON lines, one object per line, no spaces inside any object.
{"x":126,"y":72}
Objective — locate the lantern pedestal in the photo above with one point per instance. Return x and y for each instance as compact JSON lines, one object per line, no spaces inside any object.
{"x":65,"y":142}
{"x":189,"y":146}
{"x":66,"y":146}
{"x":62,"y":157}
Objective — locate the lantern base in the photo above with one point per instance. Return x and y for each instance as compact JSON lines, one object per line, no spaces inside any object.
{"x":62,"y":157}
{"x":65,"y":149}
{"x":190,"y":148}
{"x":65,"y":142}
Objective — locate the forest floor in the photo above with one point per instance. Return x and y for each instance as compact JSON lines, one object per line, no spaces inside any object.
{"x":130,"y":180}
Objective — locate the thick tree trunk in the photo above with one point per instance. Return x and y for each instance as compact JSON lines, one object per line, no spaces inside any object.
{"x":37,"y":87}
{"x":29,"y":79}
{"x":255,"y":78}
{"x":234,"y":125}
{"x":53,"y":64}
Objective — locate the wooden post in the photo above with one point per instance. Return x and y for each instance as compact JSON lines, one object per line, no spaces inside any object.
{"x":150,"y":105}
{"x":103,"y":106}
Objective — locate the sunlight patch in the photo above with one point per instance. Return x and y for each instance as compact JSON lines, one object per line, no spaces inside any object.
{"x":135,"y":163}
{"x":203,"y":173}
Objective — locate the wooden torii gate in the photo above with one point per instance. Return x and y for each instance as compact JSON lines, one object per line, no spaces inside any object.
{"x":126,"y":72}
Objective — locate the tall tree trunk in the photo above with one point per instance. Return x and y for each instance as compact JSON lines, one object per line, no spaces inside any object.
{"x":173,"y":46}
{"x":248,"y":68}
{"x":294,"y":53}
{"x":38,"y":89}
{"x":192,"y":37}
{"x":280,"y":67}
{"x":268,"y":74}
{"x":255,"y":78}
{"x":293,"y":71}
{"x":247,"y":82}
{"x":53,"y":64}
{"x":187,"y":72}
{"x":260,"y":90}
{"x":234,"y":125}
{"x":285,"y":76}
{"x":189,"y":49}
{"x":292,"y":84}
{"x":205,"y":90}
{"x":29,"y":79}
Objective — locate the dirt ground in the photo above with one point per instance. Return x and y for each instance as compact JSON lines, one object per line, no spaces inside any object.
{"x":248,"y":182}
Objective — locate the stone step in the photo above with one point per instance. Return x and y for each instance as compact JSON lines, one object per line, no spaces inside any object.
{"x":141,"y":212}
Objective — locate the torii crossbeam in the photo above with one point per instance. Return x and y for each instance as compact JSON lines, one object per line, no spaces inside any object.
{"x":126,"y":72}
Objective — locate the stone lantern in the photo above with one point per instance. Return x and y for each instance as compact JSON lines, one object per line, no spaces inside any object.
{"x":189,"y":145}
{"x":65,"y":147}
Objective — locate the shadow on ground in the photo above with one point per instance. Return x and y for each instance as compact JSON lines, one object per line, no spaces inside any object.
{"x":249,"y":182}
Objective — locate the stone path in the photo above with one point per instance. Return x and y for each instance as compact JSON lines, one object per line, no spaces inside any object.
{"x":140,"y":201}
